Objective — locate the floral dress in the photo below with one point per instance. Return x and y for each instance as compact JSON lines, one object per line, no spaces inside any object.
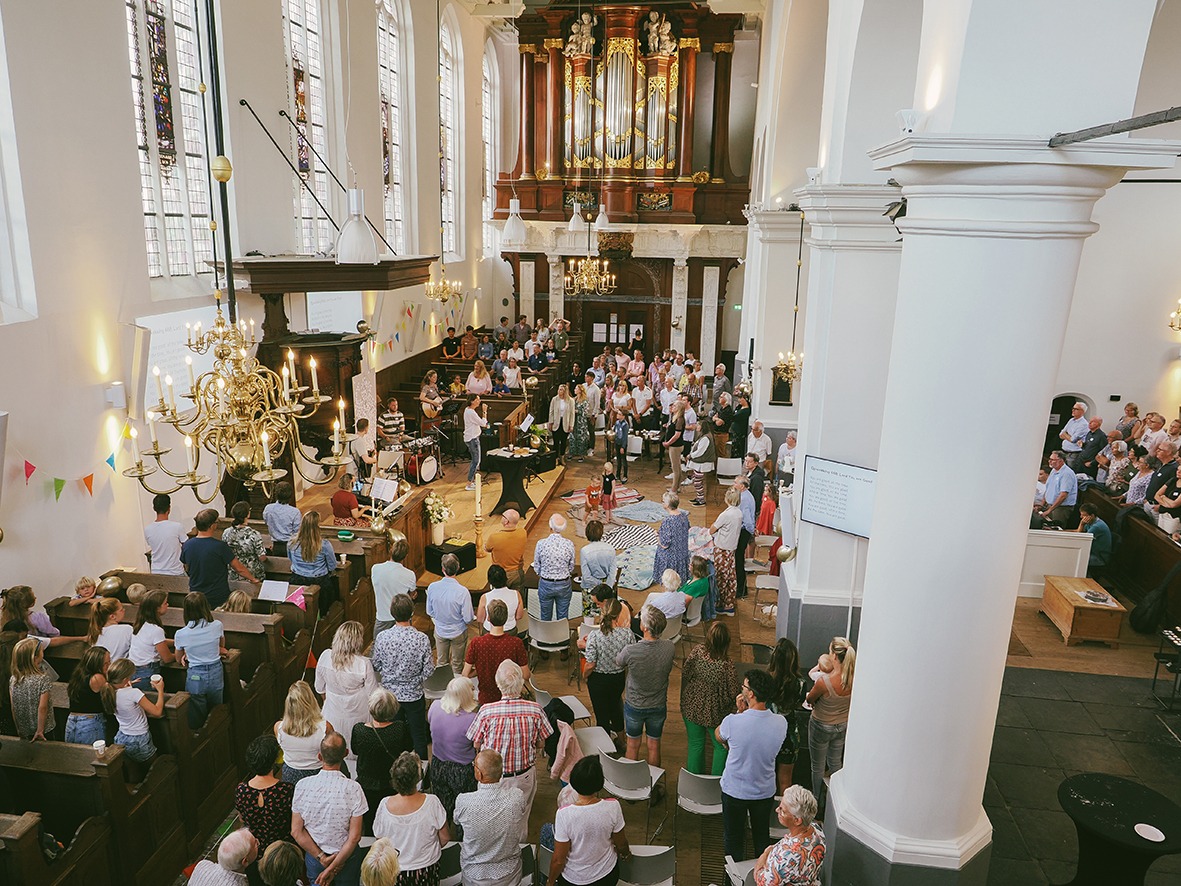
{"x":248,"y":547}
{"x":673,"y":550}
{"x":795,"y":861}
{"x":580,"y":436}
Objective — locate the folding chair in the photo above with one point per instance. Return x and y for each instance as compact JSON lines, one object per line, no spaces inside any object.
{"x":572,"y":701}
{"x":634,"y":781}
{"x":450,"y":873}
{"x":763,"y":584}
{"x":728,"y":469}
{"x":436,"y":683}
{"x":595,"y":740}
{"x":672,"y":628}
{"x":697,"y":795}
{"x":649,"y":866}
{"x":548,"y":636}
{"x":692,"y":619}
{"x":741,"y":873}
{"x":755,"y":566}
{"x":760,"y":653}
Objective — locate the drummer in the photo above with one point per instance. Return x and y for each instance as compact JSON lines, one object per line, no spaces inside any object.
{"x":391,"y":427}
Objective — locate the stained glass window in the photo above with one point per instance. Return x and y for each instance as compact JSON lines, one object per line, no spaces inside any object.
{"x":174,"y":183}
{"x":488,"y":196}
{"x":390,"y":86}
{"x":448,"y":132}
{"x":305,"y":64}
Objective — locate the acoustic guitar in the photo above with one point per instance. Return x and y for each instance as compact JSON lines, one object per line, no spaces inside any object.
{"x":433,"y":409}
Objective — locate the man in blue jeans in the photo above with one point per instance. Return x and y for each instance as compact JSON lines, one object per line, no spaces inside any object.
{"x":553,"y":561}
{"x":753,"y":736}
{"x":645,"y":694}
{"x":326,"y":814}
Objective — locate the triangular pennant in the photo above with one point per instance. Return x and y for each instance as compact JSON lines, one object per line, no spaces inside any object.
{"x":29,"y":468}
{"x":58,"y":485}
{"x":127,"y":430}
{"x":88,"y":480}
{"x":111,"y":461}
{"x":397,"y":337}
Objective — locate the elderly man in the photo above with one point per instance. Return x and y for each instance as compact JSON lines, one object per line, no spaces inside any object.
{"x":1093,"y":444}
{"x":785,"y":461}
{"x":1073,"y":432}
{"x":402,"y":661}
{"x":236,"y":853}
{"x":390,"y":579}
{"x":492,"y":817}
{"x":326,"y":814}
{"x":667,"y":394}
{"x":645,"y":697}
{"x":515,"y":728}
{"x":1061,"y":492}
{"x":486,"y":652}
{"x":749,"y":507}
{"x":647,"y":416}
{"x":752,"y":469}
{"x":721,"y":384}
{"x":720,"y":416}
{"x":507,"y":547}
{"x":1156,"y":433}
{"x":598,"y":370}
{"x":759,"y":443}
{"x":594,"y":406}
{"x":449,"y":605}
{"x":553,"y":561}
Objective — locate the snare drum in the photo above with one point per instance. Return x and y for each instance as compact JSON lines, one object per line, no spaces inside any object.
{"x":422,"y":469}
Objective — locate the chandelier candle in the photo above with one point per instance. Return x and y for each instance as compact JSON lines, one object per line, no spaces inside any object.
{"x":135,"y":447}
{"x":221,"y":396}
{"x":152,"y":430}
{"x":189,"y":333}
{"x":190,"y":455}
{"x":171,"y":393}
{"x":291,"y":366}
{"x":315,"y":380}
{"x":192,"y":378}
{"x":286,"y":386}
{"x":340,"y":406}
{"x":266,"y":450}
{"x":159,"y":384}
{"x":335,"y":433}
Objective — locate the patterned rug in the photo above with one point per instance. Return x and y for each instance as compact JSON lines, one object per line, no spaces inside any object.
{"x":642,"y":512}
{"x":623,"y":495}
{"x":635,"y":568}
{"x":625,"y":537}
{"x":701,"y":542}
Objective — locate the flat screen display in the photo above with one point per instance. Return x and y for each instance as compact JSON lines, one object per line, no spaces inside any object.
{"x":837,"y":495}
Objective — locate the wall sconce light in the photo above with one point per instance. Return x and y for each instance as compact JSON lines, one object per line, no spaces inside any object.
{"x":1175,"y":318}
{"x":676,"y":324}
{"x":116,"y":395}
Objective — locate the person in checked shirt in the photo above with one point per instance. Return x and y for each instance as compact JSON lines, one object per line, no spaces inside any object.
{"x":491,"y":819}
{"x":515,"y":728}
{"x":402,"y":660}
{"x":326,"y":815}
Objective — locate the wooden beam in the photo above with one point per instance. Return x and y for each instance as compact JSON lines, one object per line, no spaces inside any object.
{"x":1129,"y":124}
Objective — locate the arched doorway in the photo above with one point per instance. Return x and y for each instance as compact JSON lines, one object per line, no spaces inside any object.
{"x":1060,"y":415}
{"x":636,"y":304}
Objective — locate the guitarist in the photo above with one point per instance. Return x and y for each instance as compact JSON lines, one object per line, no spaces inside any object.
{"x":431,"y":401}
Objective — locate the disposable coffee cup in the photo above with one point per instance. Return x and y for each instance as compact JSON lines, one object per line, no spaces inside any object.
{"x":100,"y":747}
{"x":157,"y":679}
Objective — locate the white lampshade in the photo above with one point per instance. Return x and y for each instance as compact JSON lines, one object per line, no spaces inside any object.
{"x":577,"y":222}
{"x":602,"y":223}
{"x":356,"y":245}
{"x":514,"y":227}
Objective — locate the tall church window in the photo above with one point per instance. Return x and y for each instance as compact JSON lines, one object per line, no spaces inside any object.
{"x":170,"y":135}
{"x":306,"y":84}
{"x":390,"y":90}
{"x":487,"y":131}
{"x":449,"y":64}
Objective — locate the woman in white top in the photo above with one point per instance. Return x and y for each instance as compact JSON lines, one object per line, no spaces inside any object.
{"x":498,"y":582}
{"x":589,"y":839}
{"x":106,"y":631}
{"x":621,"y":400}
{"x":478,"y":380}
{"x":725,"y":532}
{"x":512,"y":373}
{"x":561,"y":420}
{"x":132,"y":709}
{"x":150,"y":649}
{"x":300,"y":732}
{"x":345,"y":677}
{"x":415,"y":822}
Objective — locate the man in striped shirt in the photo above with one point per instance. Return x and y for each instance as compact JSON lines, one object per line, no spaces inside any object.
{"x":515,"y":729}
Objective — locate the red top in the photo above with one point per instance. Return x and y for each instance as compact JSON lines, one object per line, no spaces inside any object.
{"x":343,"y":503}
{"x":485,"y":653}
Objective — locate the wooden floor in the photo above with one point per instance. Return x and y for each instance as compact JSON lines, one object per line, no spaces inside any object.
{"x":1037,"y":644}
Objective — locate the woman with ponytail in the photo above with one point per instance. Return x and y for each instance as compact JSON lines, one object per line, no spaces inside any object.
{"x":829,"y":698}
{"x":87,"y":722}
{"x":150,"y":648}
{"x":106,"y":628}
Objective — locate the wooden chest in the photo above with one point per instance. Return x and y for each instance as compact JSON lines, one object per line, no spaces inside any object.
{"x":1077,"y":618}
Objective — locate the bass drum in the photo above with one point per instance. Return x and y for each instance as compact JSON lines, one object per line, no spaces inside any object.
{"x":422,"y":469}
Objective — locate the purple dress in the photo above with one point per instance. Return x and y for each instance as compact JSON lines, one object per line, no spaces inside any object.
{"x":673,"y":550}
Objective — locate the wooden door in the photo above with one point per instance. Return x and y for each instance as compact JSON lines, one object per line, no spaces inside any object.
{"x":614,"y":324}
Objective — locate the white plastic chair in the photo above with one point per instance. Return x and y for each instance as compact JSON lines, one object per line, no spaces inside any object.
{"x":728,"y":469}
{"x":766,"y":582}
{"x":697,"y":795}
{"x":594,"y":740}
{"x":672,"y":628}
{"x":741,"y":873}
{"x":572,"y":701}
{"x":436,"y":683}
{"x":692,"y":619}
{"x":450,"y":873}
{"x":634,"y":781}
{"x":548,"y":636}
{"x":649,"y":866}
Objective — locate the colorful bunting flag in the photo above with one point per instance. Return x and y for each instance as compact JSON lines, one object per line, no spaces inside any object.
{"x":29,"y":468}
{"x":58,"y":485}
{"x":88,"y":481}
{"x":111,"y":461}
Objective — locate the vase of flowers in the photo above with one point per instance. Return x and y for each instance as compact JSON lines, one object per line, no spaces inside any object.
{"x":438,"y":512}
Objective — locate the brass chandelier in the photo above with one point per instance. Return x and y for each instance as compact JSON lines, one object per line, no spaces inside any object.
{"x":588,"y":276}
{"x":244,"y":415}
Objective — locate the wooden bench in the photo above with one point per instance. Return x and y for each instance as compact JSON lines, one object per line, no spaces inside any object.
{"x":68,"y":784}
{"x":295,"y":618}
{"x":1080,"y":619}
{"x":259,"y":637}
{"x":88,"y":859}
{"x":204,"y":758}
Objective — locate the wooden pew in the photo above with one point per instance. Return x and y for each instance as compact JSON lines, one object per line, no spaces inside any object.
{"x":357,"y":602}
{"x":68,"y":784}
{"x":204,"y":758}
{"x":295,"y":618}
{"x":259,"y":637}
{"x":88,"y":859}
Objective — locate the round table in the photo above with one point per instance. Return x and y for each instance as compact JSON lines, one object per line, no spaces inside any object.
{"x":1106,"y":810}
{"x":512,"y":470}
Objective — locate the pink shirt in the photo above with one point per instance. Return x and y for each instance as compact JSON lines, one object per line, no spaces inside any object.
{"x":635,"y":367}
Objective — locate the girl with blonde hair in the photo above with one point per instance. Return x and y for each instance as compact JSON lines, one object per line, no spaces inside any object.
{"x":345,"y":678}
{"x":829,"y":697}
{"x":238,"y":601}
{"x":106,"y":629}
{"x":300,"y":732}
{"x":29,"y":687}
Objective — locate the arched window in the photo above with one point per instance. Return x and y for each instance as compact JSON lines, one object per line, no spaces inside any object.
{"x":306,"y":86}
{"x":488,"y":132}
{"x":174,"y":183}
{"x":449,"y":63}
{"x":390,"y":86}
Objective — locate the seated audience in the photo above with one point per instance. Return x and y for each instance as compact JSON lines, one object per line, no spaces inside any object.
{"x":346,"y":509}
{"x":1090,"y":522}
{"x":671,"y":600}
{"x":797,"y":858}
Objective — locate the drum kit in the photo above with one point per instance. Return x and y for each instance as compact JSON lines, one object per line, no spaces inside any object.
{"x":420,"y":459}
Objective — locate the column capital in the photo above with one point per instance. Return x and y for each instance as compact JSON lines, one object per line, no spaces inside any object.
{"x":693,"y":43}
{"x":679,"y":263}
{"x":554,"y":258}
{"x":849,"y":216}
{"x":723,"y":47}
{"x":773,"y":225}
{"x":553,"y":43}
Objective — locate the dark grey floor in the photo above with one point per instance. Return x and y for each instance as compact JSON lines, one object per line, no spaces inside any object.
{"x":1052,"y":725}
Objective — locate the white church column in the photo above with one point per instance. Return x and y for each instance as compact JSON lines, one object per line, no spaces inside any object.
{"x":993,"y":233}
{"x":528,"y":286}
{"x":853,"y":259}
{"x":557,"y":287}
{"x":680,"y":302}
{"x":711,"y":282}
